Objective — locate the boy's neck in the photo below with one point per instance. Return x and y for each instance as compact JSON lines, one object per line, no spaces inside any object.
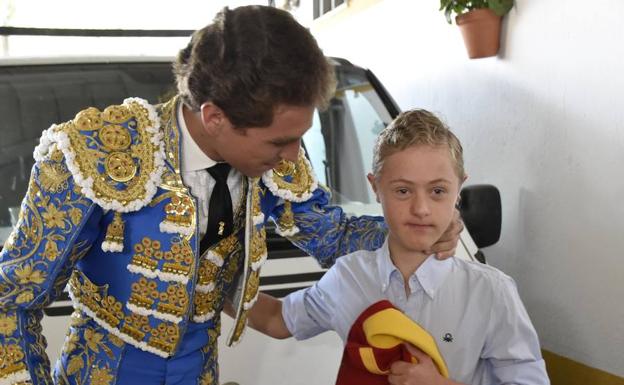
{"x":406,"y":261}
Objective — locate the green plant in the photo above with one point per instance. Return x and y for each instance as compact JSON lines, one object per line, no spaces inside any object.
{"x":500,"y":7}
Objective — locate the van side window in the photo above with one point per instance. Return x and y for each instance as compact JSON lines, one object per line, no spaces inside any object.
{"x":314,"y":143}
{"x":341,"y":139}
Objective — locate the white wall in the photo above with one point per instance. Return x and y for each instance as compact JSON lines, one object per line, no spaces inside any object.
{"x":545,"y":123}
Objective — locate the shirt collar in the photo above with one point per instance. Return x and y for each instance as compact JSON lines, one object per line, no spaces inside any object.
{"x":431,"y":274}
{"x":193,"y":158}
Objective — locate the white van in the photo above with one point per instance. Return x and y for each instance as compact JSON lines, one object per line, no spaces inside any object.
{"x":37,"y":93}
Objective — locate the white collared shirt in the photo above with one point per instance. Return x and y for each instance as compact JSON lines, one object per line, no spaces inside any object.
{"x":473,"y":311}
{"x":194,"y":163}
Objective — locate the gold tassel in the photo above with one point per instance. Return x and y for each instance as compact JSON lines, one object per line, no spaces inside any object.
{"x":114,"y":239}
{"x":287,"y":219}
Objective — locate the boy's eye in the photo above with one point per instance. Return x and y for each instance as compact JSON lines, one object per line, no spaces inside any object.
{"x":438,"y":191}
{"x":402,"y":191}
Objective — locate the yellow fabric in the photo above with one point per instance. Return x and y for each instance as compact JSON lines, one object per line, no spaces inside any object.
{"x":389,"y":327}
{"x":369,"y":361}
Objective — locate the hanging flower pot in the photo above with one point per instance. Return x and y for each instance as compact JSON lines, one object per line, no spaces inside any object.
{"x":479,"y":22}
{"x":480,"y":29}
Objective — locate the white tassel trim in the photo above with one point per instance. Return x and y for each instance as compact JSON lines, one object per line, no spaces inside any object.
{"x":203,"y":318}
{"x":154,"y":313}
{"x":258,"y":219}
{"x":15,"y":378}
{"x":256,"y":265}
{"x":112,"y":247}
{"x":62,"y":140}
{"x":205,"y":288}
{"x":166,"y":277}
{"x":172,"y":228}
{"x":214,"y":258}
{"x":287,"y":233}
{"x":46,"y":140}
{"x":267,"y":178}
{"x":124,"y":337}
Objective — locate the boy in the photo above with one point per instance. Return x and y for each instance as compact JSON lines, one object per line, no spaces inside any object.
{"x":471,"y":310}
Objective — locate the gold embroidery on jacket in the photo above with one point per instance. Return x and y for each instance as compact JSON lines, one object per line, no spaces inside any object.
{"x":147,"y":254}
{"x":46,"y":220}
{"x":239,"y":328}
{"x":207,"y":272}
{"x":164,"y":337}
{"x":251,"y":289}
{"x":11,"y":357}
{"x":177,"y":260}
{"x":173,"y":301}
{"x":104,"y":150}
{"x":220,"y":277}
{"x":205,"y":303}
{"x":302,"y":181}
{"x":106,"y":309}
{"x":213,"y":280}
{"x":210,"y":370}
{"x":286,"y":221}
{"x":81,"y":354}
{"x":180,"y":210}
{"x":54,"y":176}
{"x":258,"y":245}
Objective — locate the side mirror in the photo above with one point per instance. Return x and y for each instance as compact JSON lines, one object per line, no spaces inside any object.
{"x":480,"y":209}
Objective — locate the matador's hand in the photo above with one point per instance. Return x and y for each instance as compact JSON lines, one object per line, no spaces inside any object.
{"x":446,"y":245}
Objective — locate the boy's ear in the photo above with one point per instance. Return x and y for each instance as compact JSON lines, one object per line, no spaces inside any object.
{"x":213,"y":118}
{"x":373,"y":183}
{"x":461,"y":184}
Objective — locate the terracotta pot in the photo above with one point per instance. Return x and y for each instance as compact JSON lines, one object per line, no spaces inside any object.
{"x":480,"y":29}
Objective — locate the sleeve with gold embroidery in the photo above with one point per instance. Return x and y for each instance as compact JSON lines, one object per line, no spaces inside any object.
{"x":110,"y":160}
{"x":52,"y":233}
{"x":304,"y":216}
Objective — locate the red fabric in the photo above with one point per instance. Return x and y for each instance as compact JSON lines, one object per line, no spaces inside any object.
{"x":352,"y":370}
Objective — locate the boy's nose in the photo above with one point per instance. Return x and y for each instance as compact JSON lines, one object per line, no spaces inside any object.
{"x":420,"y":205}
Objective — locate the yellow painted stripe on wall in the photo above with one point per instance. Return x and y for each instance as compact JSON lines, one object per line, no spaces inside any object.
{"x":564,"y":371}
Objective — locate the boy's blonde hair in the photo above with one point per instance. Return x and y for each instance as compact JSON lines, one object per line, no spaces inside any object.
{"x":414,"y":128}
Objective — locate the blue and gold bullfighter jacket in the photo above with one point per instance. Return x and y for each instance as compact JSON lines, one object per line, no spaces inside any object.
{"x":108,"y":216}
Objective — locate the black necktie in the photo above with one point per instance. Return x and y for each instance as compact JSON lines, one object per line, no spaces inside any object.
{"x":220,"y":215}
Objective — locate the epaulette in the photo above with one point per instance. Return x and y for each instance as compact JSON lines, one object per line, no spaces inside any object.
{"x":115,"y":156}
{"x":293,"y":182}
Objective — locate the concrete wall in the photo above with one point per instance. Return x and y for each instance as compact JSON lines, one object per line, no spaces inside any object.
{"x":543,"y":121}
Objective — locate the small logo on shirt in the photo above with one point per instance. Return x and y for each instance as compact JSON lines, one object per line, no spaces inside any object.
{"x":448,"y":337}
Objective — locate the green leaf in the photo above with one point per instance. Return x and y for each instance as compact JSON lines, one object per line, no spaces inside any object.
{"x":500,"y":7}
{"x":444,"y":4}
{"x":447,"y":13}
